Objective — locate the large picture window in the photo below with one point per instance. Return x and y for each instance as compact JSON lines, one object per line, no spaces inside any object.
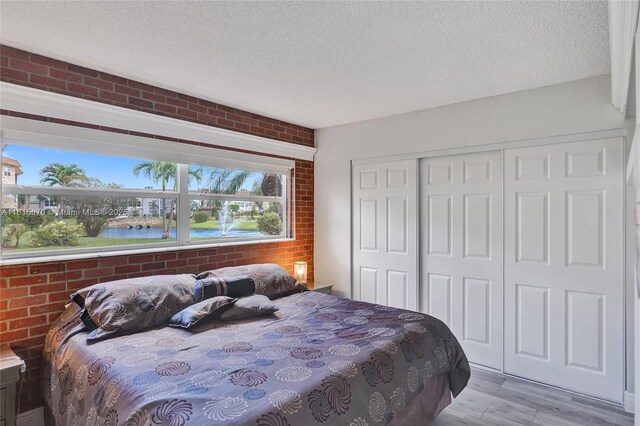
{"x":67,"y":197}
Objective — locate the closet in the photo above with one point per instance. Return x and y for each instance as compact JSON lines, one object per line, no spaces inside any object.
{"x":519,"y":250}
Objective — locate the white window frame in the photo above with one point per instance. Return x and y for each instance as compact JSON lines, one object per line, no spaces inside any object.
{"x":18,"y":131}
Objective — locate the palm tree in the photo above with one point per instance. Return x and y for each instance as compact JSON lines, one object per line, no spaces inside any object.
{"x":57,"y":174}
{"x":165,"y":173}
{"x":225,"y":181}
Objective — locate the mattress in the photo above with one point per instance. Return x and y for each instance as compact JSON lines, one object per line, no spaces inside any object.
{"x":320,"y":359}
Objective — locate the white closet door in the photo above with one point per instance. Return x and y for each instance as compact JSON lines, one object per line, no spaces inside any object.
{"x":563,"y":266}
{"x":461,"y":250}
{"x":385,"y":233}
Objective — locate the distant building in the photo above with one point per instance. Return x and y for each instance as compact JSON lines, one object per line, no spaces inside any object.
{"x":42,"y":203}
{"x":10,"y":172}
{"x":245,"y":206}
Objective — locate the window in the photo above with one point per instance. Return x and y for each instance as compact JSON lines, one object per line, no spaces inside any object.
{"x":6,"y":172}
{"x":70,"y":199}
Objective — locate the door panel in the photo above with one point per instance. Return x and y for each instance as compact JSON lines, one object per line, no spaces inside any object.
{"x":461,"y":255}
{"x":563,"y":266}
{"x":532,"y":321}
{"x":385,"y":233}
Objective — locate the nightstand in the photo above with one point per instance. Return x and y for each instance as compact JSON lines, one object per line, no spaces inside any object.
{"x":320,"y":288}
{"x":10,"y":368}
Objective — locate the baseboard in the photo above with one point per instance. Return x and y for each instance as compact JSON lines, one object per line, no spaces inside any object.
{"x":33,"y":417}
{"x":629,"y":402}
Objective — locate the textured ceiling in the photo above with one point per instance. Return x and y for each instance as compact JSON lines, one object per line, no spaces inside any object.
{"x":323,"y":63}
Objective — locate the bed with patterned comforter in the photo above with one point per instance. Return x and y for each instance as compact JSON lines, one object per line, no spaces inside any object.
{"x":320,"y":359}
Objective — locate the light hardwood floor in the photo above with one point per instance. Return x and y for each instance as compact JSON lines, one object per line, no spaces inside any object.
{"x":494,"y":399}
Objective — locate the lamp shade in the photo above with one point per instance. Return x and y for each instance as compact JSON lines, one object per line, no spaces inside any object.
{"x":300,"y":272}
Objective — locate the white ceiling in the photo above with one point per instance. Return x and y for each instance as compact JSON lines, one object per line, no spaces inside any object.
{"x":321,"y":64}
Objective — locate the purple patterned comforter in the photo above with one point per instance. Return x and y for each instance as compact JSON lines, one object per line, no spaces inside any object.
{"x":319,"y":360}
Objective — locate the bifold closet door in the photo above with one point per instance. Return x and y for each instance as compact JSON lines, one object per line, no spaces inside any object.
{"x":461,"y":250}
{"x":563,"y":266}
{"x":384,"y":246}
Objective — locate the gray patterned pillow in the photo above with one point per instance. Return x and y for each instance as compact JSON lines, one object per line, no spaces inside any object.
{"x":117,"y":307}
{"x":208,"y":308}
{"x":250,"y":306}
{"x":270,"y":279}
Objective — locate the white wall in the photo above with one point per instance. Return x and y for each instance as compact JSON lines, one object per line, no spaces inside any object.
{"x":575,"y":107}
{"x":634,"y":173}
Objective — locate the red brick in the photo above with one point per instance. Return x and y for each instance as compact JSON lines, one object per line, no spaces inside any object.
{"x":81,"y":89}
{"x":78,"y":284}
{"x":56,"y":297}
{"x":127,"y":91}
{"x":13,"y":74}
{"x":115,"y":97}
{"x":177,"y":263}
{"x":46,"y":267}
{"x":49,"y":307}
{"x":82,"y":264}
{"x":13,"y":271}
{"x":12,"y":52}
{"x":65,"y":75}
{"x":152,"y":266}
{"x":49,"y":62}
{"x":14,"y":313}
{"x":143,"y":258}
{"x":13,"y":292}
{"x":140,"y":102}
{"x":49,"y":82}
{"x":82,"y":70}
{"x":112,"y":261}
{"x":127,"y":269}
{"x":165,"y":108}
{"x":112,"y":78}
{"x":27,"y":301}
{"x":98,"y":272}
{"x":27,"y":322}
{"x":39,"y":289}
{"x":28,"y":280}
{"x":11,"y":336}
{"x":29,"y":67}
{"x":153,"y":97}
{"x":100,"y":84}
{"x":165,"y":256}
{"x":40,"y":330}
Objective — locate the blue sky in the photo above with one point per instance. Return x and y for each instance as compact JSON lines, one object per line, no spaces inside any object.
{"x":106,"y":168}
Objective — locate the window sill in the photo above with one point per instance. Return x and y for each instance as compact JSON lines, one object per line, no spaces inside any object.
{"x":113,"y":253}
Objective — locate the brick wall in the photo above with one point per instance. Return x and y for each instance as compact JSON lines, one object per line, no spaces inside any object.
{"x":29,"y":69}
{"x":33,"y":295}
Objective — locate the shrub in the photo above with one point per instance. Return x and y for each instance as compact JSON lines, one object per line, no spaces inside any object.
{"x":49,"y":216}
{"x":270,"y":224}
{"x":9,"y":216}
{"x":33,"y":220}
{"x":200,"y":217}
{"x":57,"y":234}
{"x":9,"y":232}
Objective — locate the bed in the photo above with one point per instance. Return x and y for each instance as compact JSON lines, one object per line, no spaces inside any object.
{"x":320,"y":359}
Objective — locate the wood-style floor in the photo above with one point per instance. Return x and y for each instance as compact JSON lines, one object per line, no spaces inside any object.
{"x":494,"y":399}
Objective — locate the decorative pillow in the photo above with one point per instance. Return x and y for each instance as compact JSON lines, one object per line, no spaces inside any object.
{"x":251,"y":306}
{"x":223,"y":286}
{"x":270,"y":279}
{"x":209,"y":308}
{"x":114,"y":308}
